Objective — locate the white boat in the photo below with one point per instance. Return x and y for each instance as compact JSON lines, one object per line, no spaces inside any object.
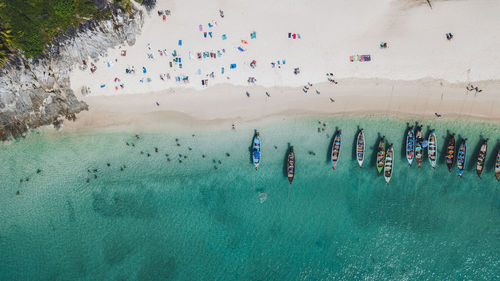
{"x":360,"y":148}
{"x":432,"y":149}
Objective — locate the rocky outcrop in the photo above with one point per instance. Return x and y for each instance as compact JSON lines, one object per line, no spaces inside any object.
{"x":37,"y":92}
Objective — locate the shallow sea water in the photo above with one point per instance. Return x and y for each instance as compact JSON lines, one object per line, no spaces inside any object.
{"x":160,"y":220}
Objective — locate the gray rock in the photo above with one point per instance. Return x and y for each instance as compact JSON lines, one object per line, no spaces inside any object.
{"x":37,"y":92}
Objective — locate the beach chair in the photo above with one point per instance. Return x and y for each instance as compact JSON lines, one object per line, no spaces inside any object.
{"x":200,"y":27}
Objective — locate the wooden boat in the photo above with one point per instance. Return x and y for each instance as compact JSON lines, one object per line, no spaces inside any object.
{"x":290,"y":164}
{"x":461,"y":157}
{"x":381,"y":155}
{"x":360,"y":148}
{"x":481,"y":158}
{"x":410,"y":146}
{"x":419,"y":149}
{"x":497,"y":166}
{"x":450,"y":152}
{"x":256,"y":150}
{"x":432,"y":149}
{"x":389,"y":162}
{"x":337,"y":141}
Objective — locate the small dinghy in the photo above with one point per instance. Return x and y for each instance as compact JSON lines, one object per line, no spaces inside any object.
{"x":337,"y":141}
{"x":381,"y":155}
{"x":461,"y":157}
{"x":360,"y":148}
{"x":432,"y":149}
{"x":410,"y":146}
{"x":389,"y":162}
{"x":290,"y":164}
{"x":481,"y":158}
{"x":450,"y":152}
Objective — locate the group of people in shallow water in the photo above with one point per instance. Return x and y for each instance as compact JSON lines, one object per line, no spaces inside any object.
{"x":181,"y":157}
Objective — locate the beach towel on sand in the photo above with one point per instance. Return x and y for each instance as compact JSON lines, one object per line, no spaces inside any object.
{"x":241,"y":49}
{"x":233,"y":66}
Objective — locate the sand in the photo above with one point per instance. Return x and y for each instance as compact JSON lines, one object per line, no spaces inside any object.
{"x":420,"y":73}
{"x":223,"y":105}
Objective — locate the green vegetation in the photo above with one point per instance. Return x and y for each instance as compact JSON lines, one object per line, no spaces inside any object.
{"x":125,"y":4}
{"x":29,"y":25}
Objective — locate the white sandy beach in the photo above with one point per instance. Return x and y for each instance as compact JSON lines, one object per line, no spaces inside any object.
{"x":419,"y":74}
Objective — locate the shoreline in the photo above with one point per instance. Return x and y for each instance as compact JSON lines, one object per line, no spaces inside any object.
{"x":223,"y":105}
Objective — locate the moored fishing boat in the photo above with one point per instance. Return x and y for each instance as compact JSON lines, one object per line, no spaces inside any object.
{"x":450,"y":152}
{"x":461,"y":157}
{"x":497,"y":166}
{"x":481,"y":158}
{"x":290,"y":164}
{"x":360,"y":148}
{"x":389,"y":163}
{"x":419,"y":149}
{"x":410,"y":145}
{"x":381,"y":155}
{"x":337,"y":141}
{"x":432,"y":149}
{"x":256,"y":150}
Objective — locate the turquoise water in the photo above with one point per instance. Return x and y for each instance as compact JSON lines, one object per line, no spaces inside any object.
{"x":160,"y":220}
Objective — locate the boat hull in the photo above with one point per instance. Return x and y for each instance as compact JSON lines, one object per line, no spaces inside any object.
{"x":497,"y":166}
{"x":290,"y":165}
{"x":461,"y":158}
{"x":381,"y":155}
{"x":432,"y":149}
{"x":419,"y":150}
{"x":410,"y":146}
{"x":450,"y":152}
{"x":335,"y":155}
{"x":481,"y":158}
{"x":389,"y":164}
{"x":360,"y":148}
{"x":256,"y":150}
